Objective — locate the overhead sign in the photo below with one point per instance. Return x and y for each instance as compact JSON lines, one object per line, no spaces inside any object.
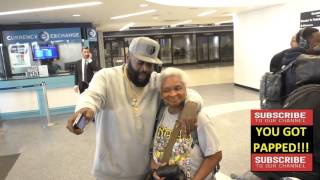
{"x":310,"y":19}
{"x":91,"y":34}
{"x":42,"y":35}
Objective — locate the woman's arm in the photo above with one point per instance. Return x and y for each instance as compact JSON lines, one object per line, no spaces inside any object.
{"x":207,"y":166}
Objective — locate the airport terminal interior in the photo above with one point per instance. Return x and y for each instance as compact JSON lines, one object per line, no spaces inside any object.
{"x":30,"y":151}
{"x":224,"y":47}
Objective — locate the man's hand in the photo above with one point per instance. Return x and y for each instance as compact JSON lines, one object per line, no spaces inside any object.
{"x":188,"y":117}
{"x":88,"y":115}
{"x":90,"y":55}
{"x":76,"y":89}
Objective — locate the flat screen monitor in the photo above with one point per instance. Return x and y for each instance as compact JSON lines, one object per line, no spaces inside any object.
{"x":45,"y":52}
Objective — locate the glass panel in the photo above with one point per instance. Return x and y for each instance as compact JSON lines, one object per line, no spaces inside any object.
{"x":214,"y":48}
{"x":107,"y":54}
{"x":2,"y":71}
{"x":127,"y":42}
{"x":202,"y":48}
{"x":117,"y":52}
{"x":165,"y":50}
{"x":184,"y":49}
{"x":226,"y":49}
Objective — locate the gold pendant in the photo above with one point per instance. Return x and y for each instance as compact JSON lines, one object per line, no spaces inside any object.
{"x":134,"y":102}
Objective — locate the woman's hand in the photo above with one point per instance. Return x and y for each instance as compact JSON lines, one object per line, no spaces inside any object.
{"x":154,"y":166}
{"x":155,"y":176}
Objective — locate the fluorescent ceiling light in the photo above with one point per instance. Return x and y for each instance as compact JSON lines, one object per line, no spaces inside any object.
{"x":217,"y":3}
{"x":221,"y":22}
{"x":51,"y":8}
{"x":206,"y":13}
{"x":144,"y":5}
{"x":126,"y":26}
{"x":134,"y":14}
{"x":76,"y":15}
{"x":180,"y":23}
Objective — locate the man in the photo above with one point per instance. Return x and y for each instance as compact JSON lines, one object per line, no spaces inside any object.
{"x":294,"y":43}
{"x":124,"y":100}
{"x":84,"y":70}
{"x":300,"y":46}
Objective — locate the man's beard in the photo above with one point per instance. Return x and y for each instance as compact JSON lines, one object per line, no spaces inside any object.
{"x":133,"y":76}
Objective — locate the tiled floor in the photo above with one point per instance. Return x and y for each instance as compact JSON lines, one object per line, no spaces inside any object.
{"x":54,"y":153}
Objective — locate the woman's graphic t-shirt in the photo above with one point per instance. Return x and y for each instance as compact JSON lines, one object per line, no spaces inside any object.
{"x":188,"y":158}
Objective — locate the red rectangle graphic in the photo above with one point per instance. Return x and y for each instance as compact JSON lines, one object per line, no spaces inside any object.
{"x":282,"y":117}
{"x":281,"y":162}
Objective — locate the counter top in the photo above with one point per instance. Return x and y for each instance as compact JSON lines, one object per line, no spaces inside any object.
{"x":25,"y":78}
{"x":53,"y":81}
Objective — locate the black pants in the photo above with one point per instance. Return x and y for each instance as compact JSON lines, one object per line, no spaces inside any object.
{"x":83,"y":86}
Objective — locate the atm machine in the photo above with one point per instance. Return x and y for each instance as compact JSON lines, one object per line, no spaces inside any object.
{"x":20,"y":56}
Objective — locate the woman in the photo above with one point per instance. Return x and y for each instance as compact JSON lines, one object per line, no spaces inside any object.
{"x":197,"y":160}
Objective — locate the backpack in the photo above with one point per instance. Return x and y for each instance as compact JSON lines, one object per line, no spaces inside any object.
{"x":271,"y":88}
{"x":284,"y":58}
{"x":275,"y":87}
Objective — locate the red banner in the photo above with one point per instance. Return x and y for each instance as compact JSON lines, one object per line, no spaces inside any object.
{"x":281,"y":117}
{"x":281,"y":162}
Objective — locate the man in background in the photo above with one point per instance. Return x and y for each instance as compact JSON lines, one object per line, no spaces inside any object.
{"x":84,"y":70}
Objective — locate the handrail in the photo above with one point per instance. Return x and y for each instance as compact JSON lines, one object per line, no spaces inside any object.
{"x":21,"y":87}
{"x":45,"y":99}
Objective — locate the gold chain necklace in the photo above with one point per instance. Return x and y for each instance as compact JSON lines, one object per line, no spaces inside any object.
{"x":133,"y":92}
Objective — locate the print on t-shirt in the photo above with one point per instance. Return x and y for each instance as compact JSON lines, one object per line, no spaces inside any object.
{"x":181,"y":150}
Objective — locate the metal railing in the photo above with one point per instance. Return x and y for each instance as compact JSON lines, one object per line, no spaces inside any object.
{"x":48,"y":122}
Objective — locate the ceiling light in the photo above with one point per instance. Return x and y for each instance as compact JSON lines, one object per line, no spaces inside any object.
{"x":155,"y":17}
{"x":134,"y":14}
{"x":180,"y":23}
{"x":51,"y":8}
{"x":206,"y":13}
{"x":126,"y":26}
{"x":76,"y":15}
{"x":222,"y":22}
{"x":144,"y":5}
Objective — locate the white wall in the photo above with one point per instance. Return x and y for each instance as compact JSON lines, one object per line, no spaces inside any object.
{"x":260,"y":34}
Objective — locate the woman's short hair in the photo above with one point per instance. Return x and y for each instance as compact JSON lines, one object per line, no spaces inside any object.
{"x":170,"y":71}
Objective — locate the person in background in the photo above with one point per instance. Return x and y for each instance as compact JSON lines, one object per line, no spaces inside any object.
{"x":294,"y":43}
{"x":197,"y":160}
{"x":84,"y":70}
{"x":124,"y":100}
{"x":298,"y":46}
